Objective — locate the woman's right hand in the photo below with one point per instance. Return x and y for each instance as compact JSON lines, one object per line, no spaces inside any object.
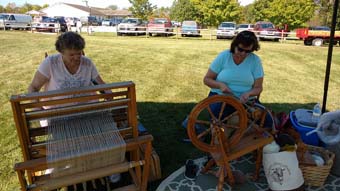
{"x":224,"y":88}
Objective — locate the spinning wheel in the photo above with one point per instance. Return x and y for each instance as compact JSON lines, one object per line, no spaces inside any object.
{"x":204,"y":123}
{"x":228,"y":129}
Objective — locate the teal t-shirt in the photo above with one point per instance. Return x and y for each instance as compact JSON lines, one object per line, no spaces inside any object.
{"x":239,"y":78}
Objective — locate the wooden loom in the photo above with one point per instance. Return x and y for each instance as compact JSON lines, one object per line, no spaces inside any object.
{"x":119,"y":99}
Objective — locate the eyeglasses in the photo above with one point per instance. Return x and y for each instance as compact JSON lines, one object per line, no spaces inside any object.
{"x":244,"y":50}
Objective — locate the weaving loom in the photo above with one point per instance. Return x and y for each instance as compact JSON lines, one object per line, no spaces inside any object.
{"x":80,"y":135}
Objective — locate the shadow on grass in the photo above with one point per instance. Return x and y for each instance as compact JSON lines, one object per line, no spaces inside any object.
{"x":164,"y":122}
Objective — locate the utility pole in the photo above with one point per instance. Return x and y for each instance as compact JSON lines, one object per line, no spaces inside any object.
{"x":87,"y":5}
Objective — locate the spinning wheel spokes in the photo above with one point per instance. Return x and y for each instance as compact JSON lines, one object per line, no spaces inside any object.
{"x":216,"y":114}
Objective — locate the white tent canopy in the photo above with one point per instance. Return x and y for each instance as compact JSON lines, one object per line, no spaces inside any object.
{"x":34,"y":12}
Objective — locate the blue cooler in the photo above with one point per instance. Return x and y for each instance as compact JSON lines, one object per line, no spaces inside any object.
{"x":304,"y":124}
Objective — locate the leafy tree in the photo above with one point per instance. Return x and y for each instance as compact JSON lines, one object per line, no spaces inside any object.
{"x":2,"y":9}
{"x":183,"y":10}
{"x":10,"y":8}
{"x":113,"y":7}
{"x":217,"y":11}
{"x":295,"y":13}
{"x":45,"y":6}
{"x":162,"y":12}
{"x":324,"y":11}
{"x":247,"y":14}
{"x":142,"y":8}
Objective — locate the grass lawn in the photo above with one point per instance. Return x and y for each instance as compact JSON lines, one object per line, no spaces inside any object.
{"x":168,"y":74}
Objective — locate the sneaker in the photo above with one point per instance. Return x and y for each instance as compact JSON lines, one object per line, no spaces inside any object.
{"x":114,"y":178}
{"x":191,"y":170}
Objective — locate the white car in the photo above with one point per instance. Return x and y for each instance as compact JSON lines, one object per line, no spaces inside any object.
{"x":243,"y":27}
{"x":133,"y":26}
{"x":226,"y":30}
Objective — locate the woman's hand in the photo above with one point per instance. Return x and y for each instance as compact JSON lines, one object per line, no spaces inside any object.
{"x":244,"y":97}
{"x":224,"y":88}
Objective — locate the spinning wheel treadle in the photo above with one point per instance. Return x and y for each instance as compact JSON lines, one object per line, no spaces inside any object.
{"x":228,"y":129}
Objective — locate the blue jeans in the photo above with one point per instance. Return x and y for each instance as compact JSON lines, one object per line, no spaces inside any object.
{"x":216,"y":108}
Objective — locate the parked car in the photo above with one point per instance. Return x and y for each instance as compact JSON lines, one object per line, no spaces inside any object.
{"x":111,"y":22}
{"x":131,"y":26}
{"x":243,"y":27}
{"x":190,"y":28}
{"x":320,"y":28}
{"x":160,"y":26}
{"x":226,"y":30}
{"x":266,"y":30}
{"x":89,"y":20}
{"x":176,"y":23}
{"x":49,"y":24}
{"x":15,"y":21}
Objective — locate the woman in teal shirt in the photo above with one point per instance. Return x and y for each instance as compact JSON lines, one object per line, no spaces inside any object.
{"x":237,"y":71}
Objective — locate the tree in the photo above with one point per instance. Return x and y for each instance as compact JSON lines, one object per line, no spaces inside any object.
{"x":183,"y":10}
{"x":216,"y":11}
{"x":162,"y":12}
{"x":324,"y":10}
{"x":142,"y":8}
{"x":113,"y":7}
{"x":295,"y":13}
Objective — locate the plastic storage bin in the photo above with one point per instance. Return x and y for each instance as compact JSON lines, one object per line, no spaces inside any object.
{"x":312,"y":139}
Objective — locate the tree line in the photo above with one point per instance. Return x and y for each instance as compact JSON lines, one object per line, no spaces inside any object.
{"x":294,"y":13}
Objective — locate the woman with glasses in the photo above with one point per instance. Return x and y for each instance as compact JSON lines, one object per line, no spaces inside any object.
{"x":237,"y":71}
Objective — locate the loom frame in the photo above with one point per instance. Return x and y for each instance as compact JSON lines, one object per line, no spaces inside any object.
{"x":119,"y":97}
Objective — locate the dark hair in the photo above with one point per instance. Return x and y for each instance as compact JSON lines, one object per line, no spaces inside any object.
{"x":69,"y":40}
{"x":246,"y":38}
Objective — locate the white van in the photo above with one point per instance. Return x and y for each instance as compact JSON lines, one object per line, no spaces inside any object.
{"x":15,"y":21}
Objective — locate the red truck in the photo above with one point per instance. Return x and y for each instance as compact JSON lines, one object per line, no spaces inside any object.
{"x":160,"y":26}
{"x":316,"y":36}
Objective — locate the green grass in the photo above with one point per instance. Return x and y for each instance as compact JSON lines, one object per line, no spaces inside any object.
{"x":168,"y":74}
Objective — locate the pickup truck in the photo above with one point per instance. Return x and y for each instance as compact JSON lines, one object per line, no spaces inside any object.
{"x":266,"y":30}
{"x":316,"y":36}
{"x":160,"y":26}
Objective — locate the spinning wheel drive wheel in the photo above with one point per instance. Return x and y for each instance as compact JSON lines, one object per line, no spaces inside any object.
{"x":214,"y":115}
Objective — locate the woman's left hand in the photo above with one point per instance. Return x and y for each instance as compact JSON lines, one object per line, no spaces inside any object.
{"x":244,"y":97}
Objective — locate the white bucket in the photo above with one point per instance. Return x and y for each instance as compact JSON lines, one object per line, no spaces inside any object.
{"x":282,"y":171}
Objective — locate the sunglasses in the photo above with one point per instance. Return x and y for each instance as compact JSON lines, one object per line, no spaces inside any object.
{"x":244,"y":50}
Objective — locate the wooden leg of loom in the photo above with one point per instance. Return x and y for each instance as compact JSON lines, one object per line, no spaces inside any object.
{"x":146,"y":168}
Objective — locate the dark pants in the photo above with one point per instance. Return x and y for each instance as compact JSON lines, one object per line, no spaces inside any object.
{"x":216,"y":108}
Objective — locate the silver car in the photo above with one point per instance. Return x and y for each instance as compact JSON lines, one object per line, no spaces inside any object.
{"x":243,"y":27}
{"x":133,"y":26}
{"x":226,"y":30}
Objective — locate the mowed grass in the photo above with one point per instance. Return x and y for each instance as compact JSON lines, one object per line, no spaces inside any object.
{"x":168,"y":73}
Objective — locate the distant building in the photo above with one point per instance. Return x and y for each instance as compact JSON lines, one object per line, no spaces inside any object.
{"x":72,"y":10}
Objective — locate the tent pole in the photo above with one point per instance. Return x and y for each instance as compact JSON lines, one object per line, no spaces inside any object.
{"x":330,"y":53}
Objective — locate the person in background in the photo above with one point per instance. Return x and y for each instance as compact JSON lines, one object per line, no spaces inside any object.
{"x":67,"y":69}
{"x":78,"y":26}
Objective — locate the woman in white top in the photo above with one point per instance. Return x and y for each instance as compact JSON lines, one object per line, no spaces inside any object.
{"x":67,"y":69}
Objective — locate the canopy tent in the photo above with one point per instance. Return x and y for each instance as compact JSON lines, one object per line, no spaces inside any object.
{"x":35,"y":13}
{"x":330,"y":54}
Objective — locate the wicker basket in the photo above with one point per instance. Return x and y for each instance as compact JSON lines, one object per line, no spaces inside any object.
{"x":317,"y":175}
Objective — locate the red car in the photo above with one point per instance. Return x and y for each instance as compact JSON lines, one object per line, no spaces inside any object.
{"x":160,"y":26}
